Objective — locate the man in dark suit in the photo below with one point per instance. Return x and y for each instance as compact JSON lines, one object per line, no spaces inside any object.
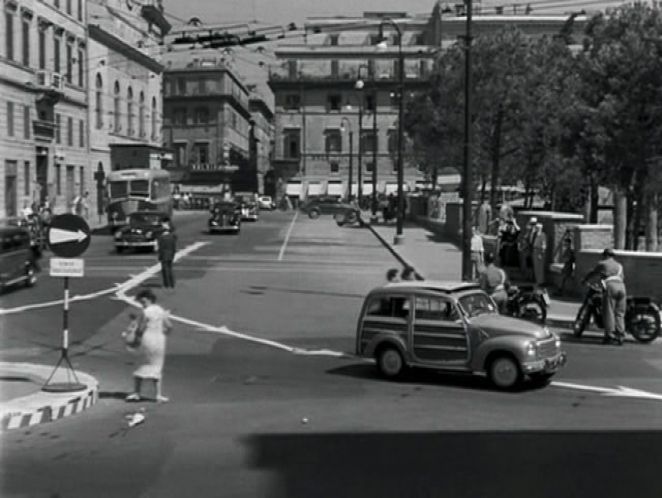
{"x":167,"y":249}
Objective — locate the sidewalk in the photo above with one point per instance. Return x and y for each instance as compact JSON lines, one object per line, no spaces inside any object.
{"x":435,"y":258}
{"x":24,"y":404}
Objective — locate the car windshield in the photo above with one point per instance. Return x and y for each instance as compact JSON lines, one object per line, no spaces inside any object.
{"x":223,"y":208}
{"x":477,"y":303}
{"x":139,"y":188}
{"x":141,"y":219}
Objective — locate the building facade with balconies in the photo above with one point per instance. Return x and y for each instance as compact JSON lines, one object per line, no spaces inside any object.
{"x":207,"y":122}
{"x":325,"y":126}
{"x":261,"y":142}
{"x":125,"y":87}
{"x":43,"y":104}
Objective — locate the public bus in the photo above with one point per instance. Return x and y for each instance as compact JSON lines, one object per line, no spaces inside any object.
{"x":132,"y":190}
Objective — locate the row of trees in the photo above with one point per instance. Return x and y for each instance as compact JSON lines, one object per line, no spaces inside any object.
{"x":563,"y":121}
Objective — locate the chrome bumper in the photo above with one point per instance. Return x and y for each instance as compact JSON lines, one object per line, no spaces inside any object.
{"x":551,"y":364}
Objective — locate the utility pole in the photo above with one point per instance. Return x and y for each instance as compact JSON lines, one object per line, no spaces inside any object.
{"x":467,"y":180}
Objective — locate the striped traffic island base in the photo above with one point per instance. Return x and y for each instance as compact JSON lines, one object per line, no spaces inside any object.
{"x":39,"y":406}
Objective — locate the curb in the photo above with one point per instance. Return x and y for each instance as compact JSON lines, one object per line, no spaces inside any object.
{"x":42,"y":407}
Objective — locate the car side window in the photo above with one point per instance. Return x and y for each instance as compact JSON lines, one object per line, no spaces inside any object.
{"x":435,"y":308}
{"x":388,"y":306}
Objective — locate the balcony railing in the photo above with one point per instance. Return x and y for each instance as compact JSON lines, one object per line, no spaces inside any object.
{"x":43,"y":129}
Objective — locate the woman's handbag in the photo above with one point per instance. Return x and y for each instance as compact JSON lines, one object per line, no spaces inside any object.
{"x":133,"y":332}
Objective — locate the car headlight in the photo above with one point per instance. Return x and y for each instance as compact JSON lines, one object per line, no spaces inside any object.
{"x":149,"y":235}
{"x":212,"y":222}
{"x":531,"y":349}
{"x":118,"y":235}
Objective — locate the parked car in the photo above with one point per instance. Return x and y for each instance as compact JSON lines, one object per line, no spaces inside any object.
{"x":17,"y":265}
{"x":455,"y":327}
{"x":248,"y":205}
{"x":316,"y":206}
{"x":266,"y":202}
{"x":141,"y":232}
{"x":225,"y":217}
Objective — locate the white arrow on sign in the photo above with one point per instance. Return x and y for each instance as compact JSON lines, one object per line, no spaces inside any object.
{"x":618,"y":392}
{"x":59,"y":236}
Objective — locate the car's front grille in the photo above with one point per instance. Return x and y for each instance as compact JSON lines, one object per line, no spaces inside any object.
{"x":547,"y":348}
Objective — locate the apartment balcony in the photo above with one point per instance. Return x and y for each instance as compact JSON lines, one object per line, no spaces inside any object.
{"x":278,"y":76}
{"x":43,"y":130}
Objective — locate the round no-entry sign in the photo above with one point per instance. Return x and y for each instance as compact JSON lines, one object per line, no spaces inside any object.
{"x":68,"y":235}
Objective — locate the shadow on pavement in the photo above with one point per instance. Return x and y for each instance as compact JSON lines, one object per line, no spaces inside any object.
{"x":119,"y":395}
{"x":460,"y":464}
{"x":260,"y":289}
{"x":425,"y":376}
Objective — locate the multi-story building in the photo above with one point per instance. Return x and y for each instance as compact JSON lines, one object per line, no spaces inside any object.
{"x":208,"y":122}
{"x":125,"y":86}
{"x":318,"y":104}
{"x":43,"y":104}
{"x":261,"y":140}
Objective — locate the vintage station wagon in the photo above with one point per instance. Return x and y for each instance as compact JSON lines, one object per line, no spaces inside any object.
{"x":453,"y":326}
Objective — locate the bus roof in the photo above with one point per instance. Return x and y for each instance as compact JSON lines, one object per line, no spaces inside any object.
{"x":137,"y":174}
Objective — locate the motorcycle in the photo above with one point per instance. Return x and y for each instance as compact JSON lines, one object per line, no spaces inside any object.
{"x":527,"y":302}
{"x":642,"y":315}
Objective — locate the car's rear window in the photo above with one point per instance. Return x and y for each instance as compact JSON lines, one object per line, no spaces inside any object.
{"x":388,"y":306}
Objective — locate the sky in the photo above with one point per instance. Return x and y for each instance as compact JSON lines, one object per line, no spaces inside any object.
{"x":282,"y":12}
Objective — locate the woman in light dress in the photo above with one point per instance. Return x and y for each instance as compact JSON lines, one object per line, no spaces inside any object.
{"x":152,"y":329}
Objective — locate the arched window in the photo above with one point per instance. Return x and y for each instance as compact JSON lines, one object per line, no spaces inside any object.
{"x":141,"y":116}
{"x":129,"y":112}
{"x":155,"y":134}
{"x":116,"y":107}
{"x":98,"y":106}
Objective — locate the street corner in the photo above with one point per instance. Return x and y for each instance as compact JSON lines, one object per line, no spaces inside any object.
{"x":28,"y":405}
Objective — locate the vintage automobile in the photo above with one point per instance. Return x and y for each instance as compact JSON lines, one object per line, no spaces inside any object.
{"x":17,"y":265}
{"x":453,"y":326}
{"x":248,"y":205}
{"x":316,"y":206}
{"x":225,"y":217}
{"x":266,"y":202}
{"x":141,"y":232}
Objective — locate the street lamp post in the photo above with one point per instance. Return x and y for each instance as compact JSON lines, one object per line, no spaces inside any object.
{"x":399,"y":237}
{"x":359,"y":87}
{"x":351,"y":154}
{"x":467,"y":180}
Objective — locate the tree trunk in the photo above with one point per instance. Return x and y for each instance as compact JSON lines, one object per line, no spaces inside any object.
{"x":595,"y":201}
{"x":483,"y":187}
{"x":496,"y":160}
{"x":651,"y":223}
{"x":639,"y":210}
{"x":620,"y":218}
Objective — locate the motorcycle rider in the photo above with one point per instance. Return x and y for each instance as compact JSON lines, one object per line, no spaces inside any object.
{"x":493,"y":281}
{"x":614,"y":296}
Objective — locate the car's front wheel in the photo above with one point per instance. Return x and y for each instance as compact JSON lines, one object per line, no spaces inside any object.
{"x":390,"y":362}
{"x":504,"y":371}
{"x":313,"y":214}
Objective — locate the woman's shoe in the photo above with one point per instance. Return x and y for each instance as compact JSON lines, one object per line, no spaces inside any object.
{"x":133,"y":397}
{"x":162,"y":399}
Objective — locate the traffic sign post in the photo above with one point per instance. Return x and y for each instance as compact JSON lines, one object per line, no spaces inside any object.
{"x":68,"y":237}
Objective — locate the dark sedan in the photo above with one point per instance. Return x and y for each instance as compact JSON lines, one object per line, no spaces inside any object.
{"x":142,"y":231}
{"x":225,"y":217}
{"x":316,"y":206}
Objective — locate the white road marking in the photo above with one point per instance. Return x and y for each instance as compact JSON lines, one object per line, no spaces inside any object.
{"x":238,"y":335}
{"x":287,"y":236}
{"x":134,"y":281}
{"x":619,"y":391}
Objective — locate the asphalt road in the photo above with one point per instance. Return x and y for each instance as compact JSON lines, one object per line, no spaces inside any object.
{"x":248,"y":417}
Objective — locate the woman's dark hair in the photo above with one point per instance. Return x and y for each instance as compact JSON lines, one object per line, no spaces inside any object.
{"x":407,"y":273}
{"x":391,"y":274}
{"x":146,"y":294}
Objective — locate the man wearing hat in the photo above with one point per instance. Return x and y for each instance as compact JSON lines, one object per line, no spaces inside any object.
{"x":524,"y":246}
{"x":614,"y":296}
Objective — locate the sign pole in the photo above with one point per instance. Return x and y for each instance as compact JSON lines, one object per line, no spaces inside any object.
{"x":68,"y":237}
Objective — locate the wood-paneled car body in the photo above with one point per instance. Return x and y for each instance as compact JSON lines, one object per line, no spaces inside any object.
{"x":453,"y":326}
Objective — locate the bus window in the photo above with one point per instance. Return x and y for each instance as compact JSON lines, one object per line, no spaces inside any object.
{"x":160,"y":188}
{"x":139,"y":187}
{"x":118,"y":189}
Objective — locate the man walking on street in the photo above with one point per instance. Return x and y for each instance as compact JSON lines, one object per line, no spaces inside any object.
{"x":539,"y":254}
{"x":613,"y":296}
{"x":167,"y":247}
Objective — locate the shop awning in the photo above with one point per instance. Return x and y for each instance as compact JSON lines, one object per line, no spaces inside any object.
{"x":367,"y":189}
{"x":391,"y":188}
{"x":314,"y":189}
{"x":293,"y":189}
{"x":335,"y":189}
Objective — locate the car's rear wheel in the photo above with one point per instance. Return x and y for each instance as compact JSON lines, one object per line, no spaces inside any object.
{"x":390,"y":362}
{"x":313,"y":214}
{"x":30,"y":276}
{"x":504,"y":371}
